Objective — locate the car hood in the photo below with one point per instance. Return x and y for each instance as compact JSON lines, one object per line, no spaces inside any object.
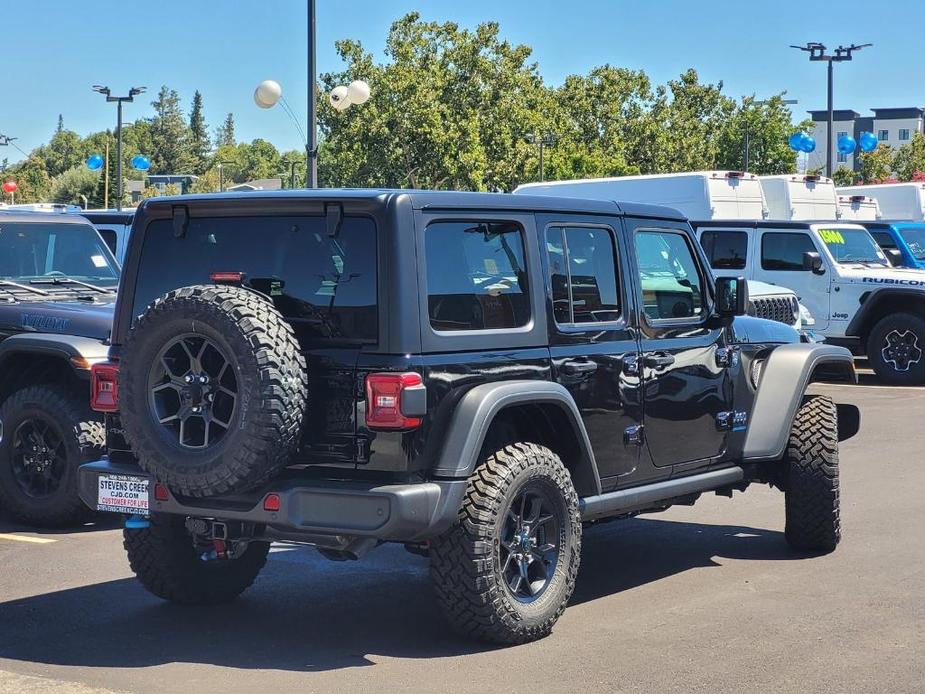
{"x":65,"y":317}
{"x":751,"y":330}
{"x":761,"y":289}
{"x":858,"y":274}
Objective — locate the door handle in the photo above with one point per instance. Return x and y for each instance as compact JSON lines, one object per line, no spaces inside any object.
{"x":659,"y":360}
{"x":575,"y":368}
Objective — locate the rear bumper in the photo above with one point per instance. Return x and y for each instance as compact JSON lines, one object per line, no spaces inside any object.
{"x":394,"y":512}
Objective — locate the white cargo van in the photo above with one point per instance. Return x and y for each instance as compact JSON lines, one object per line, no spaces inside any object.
{"x":699,"y":194}
{"x":898,"y":201}
{"x":858,"y":208}
{"x":837,"y":270}
{"x":799,"y":197}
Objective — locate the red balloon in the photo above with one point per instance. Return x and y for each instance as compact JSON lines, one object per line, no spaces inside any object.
{"x":10,"y":186}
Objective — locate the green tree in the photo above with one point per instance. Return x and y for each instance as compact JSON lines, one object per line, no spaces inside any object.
{"x":876,"y":166}
{"x":72,"y":186}
{"x":208,"y":182}
{"x":910,"y":158}
{"x":60,"y":127}
{"x":770,"y":124}
{"x":259,"y":159}
{"x":32,"y":178}
{"x":297,"y":156}
{"x":844,"y":176}
{"x":64,"y":151}
{"x":170,"y":136}
{"x":199,"y":145}
{"x":224,"y":134}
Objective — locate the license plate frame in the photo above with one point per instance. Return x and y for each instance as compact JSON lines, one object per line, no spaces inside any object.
{"x":120,"y":493}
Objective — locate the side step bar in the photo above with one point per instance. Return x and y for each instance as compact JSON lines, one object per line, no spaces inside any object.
{"x":638,"y":498}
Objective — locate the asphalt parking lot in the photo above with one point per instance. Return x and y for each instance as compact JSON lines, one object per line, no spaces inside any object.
{"x":701,"y":599}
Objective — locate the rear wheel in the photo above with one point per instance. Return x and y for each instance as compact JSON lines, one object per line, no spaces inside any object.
{"x":173,"y":566}
{"x":505,"y":571}
{"x":45,"y":435}
{"x":812,"y":486}
{"x":896,"y":349}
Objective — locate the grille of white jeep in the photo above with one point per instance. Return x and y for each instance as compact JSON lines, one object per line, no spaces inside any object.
{"x":778,"y":308}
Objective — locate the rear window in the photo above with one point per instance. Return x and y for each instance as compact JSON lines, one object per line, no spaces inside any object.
{"x":325,"y":286}
{"x":476,"y":276}
{"x":726,"y":249}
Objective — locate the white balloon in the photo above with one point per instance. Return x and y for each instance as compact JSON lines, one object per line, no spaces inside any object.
{"x":339,"y":98}
{"x":358,"y":91}
{"x":267,"y":94}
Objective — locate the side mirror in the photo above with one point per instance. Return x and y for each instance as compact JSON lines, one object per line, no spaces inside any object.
{"x":731,"y":296}
{"x":812,"y":261}
{"x":894,"y":255}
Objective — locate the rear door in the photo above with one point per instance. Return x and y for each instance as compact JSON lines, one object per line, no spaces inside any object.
{"x":592,"y":338}
{"x":687,"y":388}
{"x":324,"y":284}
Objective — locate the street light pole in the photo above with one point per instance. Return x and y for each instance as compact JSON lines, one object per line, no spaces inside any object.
{"x":132,"y":93}
{"x":543,"y":141}
{"x":817,"y":51}
{"x":311,"y":145}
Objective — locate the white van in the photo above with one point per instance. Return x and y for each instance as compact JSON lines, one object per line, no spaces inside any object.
{"x":837,"y":270}
{"x":699,"y":194}
{"x":858,"y":208}
{"x":799,"y":197}
{"x":898,"y":201}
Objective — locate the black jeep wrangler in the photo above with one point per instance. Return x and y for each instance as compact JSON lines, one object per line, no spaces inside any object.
{"x":57,"y":296}
{"x":476,"y":376}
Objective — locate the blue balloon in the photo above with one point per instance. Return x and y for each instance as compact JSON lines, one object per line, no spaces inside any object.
{"x":809,"y":144}
{"x":869,"y":141}
{"x":140,"y":162}
{"x":796,"y":142}
{"x":95,"y":162}
{"x":846,"y":144}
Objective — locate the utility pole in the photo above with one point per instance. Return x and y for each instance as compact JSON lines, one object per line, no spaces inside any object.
{"x":543,"y":141}
{"x":817,"y":52}
{"x":106,"y":179}
{"x":119,"y":100}
{"x":311,"y":145}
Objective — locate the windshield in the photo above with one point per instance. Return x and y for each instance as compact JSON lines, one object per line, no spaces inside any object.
{"x":42,"y":251}
{"x":915,"y":239}
{"x":852,"y":246}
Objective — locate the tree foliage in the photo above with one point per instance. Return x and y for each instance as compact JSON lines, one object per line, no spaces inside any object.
{"x":75,"y":184}
{"x":199,"y":144}
{"x":170,"y":137}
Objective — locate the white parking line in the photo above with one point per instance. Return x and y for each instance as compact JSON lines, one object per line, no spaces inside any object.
{"x":26,"y":538}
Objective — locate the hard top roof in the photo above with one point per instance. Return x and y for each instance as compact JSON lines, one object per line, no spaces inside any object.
{"x":436,"y":199}
{"x":45,"y":217}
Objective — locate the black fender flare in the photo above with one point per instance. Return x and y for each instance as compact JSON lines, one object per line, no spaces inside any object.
{"x":477,"y":410}
{"x":874,"y":299}
{"x":786,"y":374}
{"x":78,"y":352}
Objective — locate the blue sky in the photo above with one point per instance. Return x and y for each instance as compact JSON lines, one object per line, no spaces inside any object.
{"x":55,"y":49}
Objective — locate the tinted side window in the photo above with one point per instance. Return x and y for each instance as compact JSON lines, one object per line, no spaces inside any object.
{"x":325,"y":286}
{"x":784,"y":251}
{"x":883,"y":239}
{"x":671,"y":285}
{"x":476,"y":275}
{"x":583,"y":273}
{"x":109,"y":236}
{"x":726,"y":250}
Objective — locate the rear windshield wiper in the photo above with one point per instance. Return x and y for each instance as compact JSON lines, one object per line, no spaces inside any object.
{"x":69,"y":280}
{"x":24,"y":287}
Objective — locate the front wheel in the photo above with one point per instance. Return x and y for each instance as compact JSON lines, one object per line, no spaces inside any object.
{"x":173,"y":566}
{"x":505,"y":571}
{"x":45,"y":435}
{"x":896,"y":349}
{"x":812,"y":485}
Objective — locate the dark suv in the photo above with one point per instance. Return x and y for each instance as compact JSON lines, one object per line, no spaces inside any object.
{"x":57,"y":295}
{"x":476,"y":376}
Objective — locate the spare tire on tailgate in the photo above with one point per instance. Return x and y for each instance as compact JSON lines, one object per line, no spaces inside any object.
{"x":213,"y":390}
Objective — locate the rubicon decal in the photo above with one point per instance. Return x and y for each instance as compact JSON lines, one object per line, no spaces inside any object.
{"x":43,"y":323}
{"x":893,"y":280}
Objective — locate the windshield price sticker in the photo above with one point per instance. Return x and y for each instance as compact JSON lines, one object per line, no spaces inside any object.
{"x":831,"y":236}
{"x":123,"y":494}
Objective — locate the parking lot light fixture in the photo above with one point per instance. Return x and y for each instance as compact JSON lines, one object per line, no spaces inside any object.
{"x":119,"y":100}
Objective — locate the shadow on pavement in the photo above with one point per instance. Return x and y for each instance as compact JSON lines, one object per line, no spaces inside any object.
{"x":106,"y":521}
{"x":307,"y":614}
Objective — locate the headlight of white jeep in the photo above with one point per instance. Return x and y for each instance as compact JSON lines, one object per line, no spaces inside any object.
{"x":806,"y":318}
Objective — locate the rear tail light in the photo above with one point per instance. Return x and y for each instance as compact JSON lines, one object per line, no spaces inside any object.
{"x":271,"y":503}
{"x":735,"y":174}
{"x":858,"y":198}
{"x":812,"y":178}
{"x":227,"y":277}
{"x":161,"y":493}
{"x":104,"y":387}
{"x":391,"y":401}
